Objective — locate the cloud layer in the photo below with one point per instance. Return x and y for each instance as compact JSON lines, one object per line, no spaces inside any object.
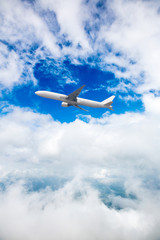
{"x":119,"y":139}
{"x":117,"y":148}
{"x":60,"y":215}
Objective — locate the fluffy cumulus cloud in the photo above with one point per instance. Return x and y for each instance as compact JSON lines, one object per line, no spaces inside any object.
{"x":111,"y":150}
{"x":114,"y":139}
{"x":59,"y":215}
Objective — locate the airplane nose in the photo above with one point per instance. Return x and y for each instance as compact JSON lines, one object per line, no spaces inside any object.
{"x":40,"y":93}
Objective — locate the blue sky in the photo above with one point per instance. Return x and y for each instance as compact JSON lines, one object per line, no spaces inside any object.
{"x":51,"y":75}
{"x":64,"y":168}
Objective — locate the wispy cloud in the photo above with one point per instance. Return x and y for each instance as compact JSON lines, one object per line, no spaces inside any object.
{"x":11,"y":66}
{"x":135,"y":34}
{"x":123,"y":35}
{"x":21,"y":29}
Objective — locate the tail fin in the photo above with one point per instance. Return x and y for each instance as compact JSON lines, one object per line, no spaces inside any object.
{"x":107,"y":103}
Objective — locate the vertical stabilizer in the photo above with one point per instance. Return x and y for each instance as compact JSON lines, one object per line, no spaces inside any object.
{"x":107,"y":102}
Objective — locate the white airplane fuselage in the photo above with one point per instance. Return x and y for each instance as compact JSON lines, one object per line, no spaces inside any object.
{"x":73,"y":100}
{"x":63,"y":98}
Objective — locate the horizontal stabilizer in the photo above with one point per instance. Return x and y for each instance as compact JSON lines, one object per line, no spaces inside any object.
{"x":110,"y":107}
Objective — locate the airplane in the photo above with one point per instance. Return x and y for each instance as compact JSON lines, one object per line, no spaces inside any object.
{"x":73,"y":100}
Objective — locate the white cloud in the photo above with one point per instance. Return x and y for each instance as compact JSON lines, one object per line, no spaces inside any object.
{"x":24,"y":25}
{"x":135,"y":34}
{"x":116,"y":148}
{"x":59,"y":215}
{"x":20,"y":140}
{"x":71,"y":16}
{"x":131,"y":28}
{"x":122,"y":142}
{"x":152,"y":104}
{"x":10,"y":66}
{"x":21,"y":28}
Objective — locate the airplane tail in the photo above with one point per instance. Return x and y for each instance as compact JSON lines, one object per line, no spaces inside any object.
{"x":107,"y":102}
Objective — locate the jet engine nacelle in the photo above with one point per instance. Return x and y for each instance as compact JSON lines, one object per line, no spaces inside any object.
{"x":64,"y":104}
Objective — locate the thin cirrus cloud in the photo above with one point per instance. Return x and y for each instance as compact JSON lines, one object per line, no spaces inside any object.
{"x":21,"y":29}
{"x":135,"y":34}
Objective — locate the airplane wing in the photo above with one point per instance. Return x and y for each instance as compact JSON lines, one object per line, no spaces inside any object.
{"x":80,"y":108}
{"x":73,"y":96}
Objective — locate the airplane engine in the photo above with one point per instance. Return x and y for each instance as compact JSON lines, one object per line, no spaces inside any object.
{"x":64,"y":104}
